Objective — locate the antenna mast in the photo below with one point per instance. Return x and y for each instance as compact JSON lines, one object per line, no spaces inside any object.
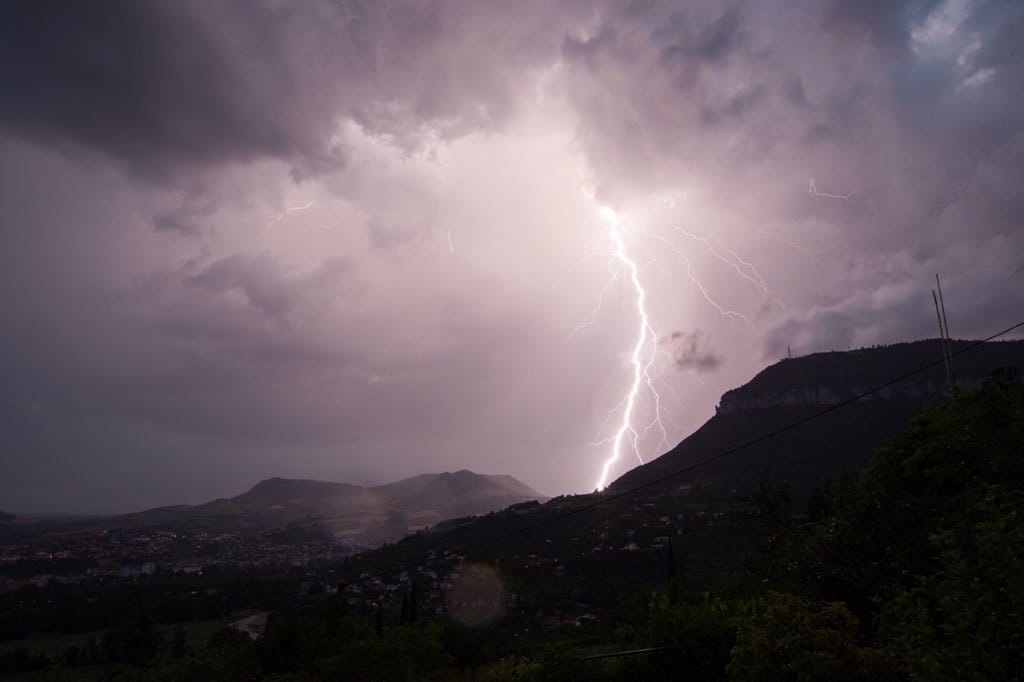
{"x":947,"y":348}
{"x":949,"y":341}
{"x":942,"y":341}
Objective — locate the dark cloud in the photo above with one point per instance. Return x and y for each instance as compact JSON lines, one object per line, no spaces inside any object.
{"x":173,"y":87}
{"x":348,"y":335}
{"x":188,"y":216}
{"x":883,"y":23}
{"x":159,"y":85}
{"x":690,"y":350}
{"x":689,"y":41}
{"x":254,"y":278}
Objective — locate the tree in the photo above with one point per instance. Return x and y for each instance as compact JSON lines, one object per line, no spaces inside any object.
{"x":794,"y":638}
{"x":769,"y":501}
{"x":923,"y":547}
{"x":701,"y":632}
{"x":178,"y":644}
{"x":412,"y":602}
{"x":335,"y":610}
{"x":675,"y":574}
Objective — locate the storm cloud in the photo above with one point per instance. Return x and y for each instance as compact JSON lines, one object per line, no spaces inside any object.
{"x":364,"y":240}
{"x":690,"y":351}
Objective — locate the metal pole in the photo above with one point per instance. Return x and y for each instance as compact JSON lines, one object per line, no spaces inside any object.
{"x":942,"y":341}
{"x":945,"y":326}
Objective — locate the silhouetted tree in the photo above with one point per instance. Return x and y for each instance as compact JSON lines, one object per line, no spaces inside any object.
{"x":178,"y":644}
{"x":674,"y":578}
{"x":412,"y":602}
{"x":337,"y":608}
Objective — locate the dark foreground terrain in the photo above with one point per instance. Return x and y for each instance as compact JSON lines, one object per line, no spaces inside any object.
{"x":909,"y":567}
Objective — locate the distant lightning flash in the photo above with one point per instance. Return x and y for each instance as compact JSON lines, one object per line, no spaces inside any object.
{"x":290,"y":209}
{"x":643,"y":356}
{"x":598,"y":304}
{"x":812,"y":188}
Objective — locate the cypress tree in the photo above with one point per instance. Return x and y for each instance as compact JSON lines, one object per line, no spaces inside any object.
{"x":178,"y":645}
{"x":673,"y":574}
{"x":412,"y":603}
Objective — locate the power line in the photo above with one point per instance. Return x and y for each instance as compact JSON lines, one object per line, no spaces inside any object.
{"x":633,"y":652}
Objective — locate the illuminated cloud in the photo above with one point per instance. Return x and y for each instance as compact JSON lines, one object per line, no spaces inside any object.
{"x":432,"y":306}
{"x":690,"y":351}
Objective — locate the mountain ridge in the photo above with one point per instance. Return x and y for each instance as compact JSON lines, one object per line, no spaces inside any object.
{"x":358,"y":515}
{"x":799,"y":388}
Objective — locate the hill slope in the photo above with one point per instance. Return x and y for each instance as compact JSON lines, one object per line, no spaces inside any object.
{"x":617,"y":538}
{"x":356,"y":514}
{"x":800,"y":388}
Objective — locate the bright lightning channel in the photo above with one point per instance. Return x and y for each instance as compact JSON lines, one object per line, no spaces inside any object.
{"x":645,"y":351}
{"x":643,"y":356}
{"x":692,"y":276}
{"x":743,"y":268}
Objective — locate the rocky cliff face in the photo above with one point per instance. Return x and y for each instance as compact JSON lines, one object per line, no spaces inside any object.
{"x":743,"y":439}
{"x":738,"y":400}
{"x":824,"y":379}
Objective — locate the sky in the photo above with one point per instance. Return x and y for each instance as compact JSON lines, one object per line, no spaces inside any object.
{"x":364,"y":240}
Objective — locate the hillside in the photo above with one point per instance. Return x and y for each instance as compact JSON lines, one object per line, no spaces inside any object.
{"x":799,"y":388}
{"x":617,"y":539}
{"x":462,"y":493}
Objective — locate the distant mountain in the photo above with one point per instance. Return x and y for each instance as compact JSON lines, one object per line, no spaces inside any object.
{"x":461,"y":493}
{"x":356,"y":514}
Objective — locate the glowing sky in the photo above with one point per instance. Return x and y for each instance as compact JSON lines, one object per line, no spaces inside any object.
{"x":364,"y":240}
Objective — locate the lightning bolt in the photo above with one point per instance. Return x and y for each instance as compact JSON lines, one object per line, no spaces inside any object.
{"x":642,"y":358}
{"x":612,"y":279}
{"x":645,"y":350}
{"x":723,"y":311}
{"x":743,"y":268}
